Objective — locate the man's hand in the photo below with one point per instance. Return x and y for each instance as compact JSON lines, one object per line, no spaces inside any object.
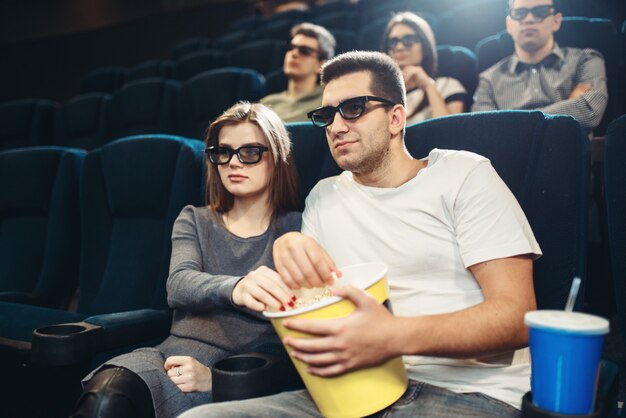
{"x":263,"y":289}
{"x":189,"y":374}
{"x":363,"y":338}
{"x":301,"y":262}
{"x":579,"y":90}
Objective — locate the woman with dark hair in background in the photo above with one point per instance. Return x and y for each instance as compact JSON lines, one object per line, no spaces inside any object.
{"x":410,"y":41}
{"x":220,"y":270}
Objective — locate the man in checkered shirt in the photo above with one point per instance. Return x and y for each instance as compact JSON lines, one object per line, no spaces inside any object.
{"x":541,"y":74}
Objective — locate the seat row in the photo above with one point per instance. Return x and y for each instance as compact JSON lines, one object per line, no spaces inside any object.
{"x":457,"y":23}
{"x":266,"y":56}
{"x":245,"y":48}
{"x":463,"y":25}
{"x":143,"y":106}
{"x":158,"y":105}
{"x":103,"y":219}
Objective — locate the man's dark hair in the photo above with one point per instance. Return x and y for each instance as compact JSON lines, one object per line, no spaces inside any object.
{"x":387,"y":81}
{"x":324,"y":38}
{"x":555,"y":4}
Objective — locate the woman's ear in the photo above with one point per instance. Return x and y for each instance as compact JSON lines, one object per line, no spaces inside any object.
{"x":397,"y":119}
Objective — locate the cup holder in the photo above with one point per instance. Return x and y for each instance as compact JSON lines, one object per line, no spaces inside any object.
{"x":250,"y":375}
{"x":68,"y":329}
{"x":530,"y":410}
{"x":63,"y":344}
{"x":241,"y":364}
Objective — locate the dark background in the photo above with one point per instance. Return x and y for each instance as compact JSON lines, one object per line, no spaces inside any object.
{"x":46,"y":46}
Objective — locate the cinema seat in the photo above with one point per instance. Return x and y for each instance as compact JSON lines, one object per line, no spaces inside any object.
{"x":152,"y":68}
{"x":188,"y":46}
{"x":207,"y":95}
{"x":198,"y":62}
{"x":146,"y":106}
{"x":82,"y":121}
{"x":131,"y":192}
{"x":27,"y":123}
{"x":103,"y":80}
{"x":460,"y":63}
{"x":264,"y":55}
{"x":39,"y":225}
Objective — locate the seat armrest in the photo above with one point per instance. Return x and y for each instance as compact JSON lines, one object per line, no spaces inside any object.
{"x":124,"y":328}
{"x":74,"y":343}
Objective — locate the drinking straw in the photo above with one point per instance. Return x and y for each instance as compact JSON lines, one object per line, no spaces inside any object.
{"x":573,"y":292}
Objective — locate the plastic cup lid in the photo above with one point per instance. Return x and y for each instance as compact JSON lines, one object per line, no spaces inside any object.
{"x":567,"y":321}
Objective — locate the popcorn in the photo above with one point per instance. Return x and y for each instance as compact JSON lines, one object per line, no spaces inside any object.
{"x":311,"y":296}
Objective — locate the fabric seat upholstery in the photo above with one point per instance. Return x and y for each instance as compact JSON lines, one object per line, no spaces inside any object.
{"x":615,"y":192}
{"x":82,"y":121}
{"x":39,"y":225}
{"x":264,"y":55}
{"x":207,"y":95}
{"x":312,"y":156}
{"x":199,"y":62}
{"x":151,"y":69}
{"x":27,"y":123}
{"x":103,"y":80}
{"x":131,"y":192}
{"x":460,"y":63}
{"x":146,"y":106}
{"x":545,"y":161}
{"x":188,"y":46}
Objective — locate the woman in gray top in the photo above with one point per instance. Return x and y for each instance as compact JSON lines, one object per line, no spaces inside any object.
{"x":221,"y":262}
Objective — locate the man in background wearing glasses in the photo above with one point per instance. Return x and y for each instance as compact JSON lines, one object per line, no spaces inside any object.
{"x":541,"y":74}
{"x":457,"y":245}
{"x":311,"y":45}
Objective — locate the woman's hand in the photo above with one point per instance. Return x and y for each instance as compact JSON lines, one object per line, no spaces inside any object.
{"x":416,"y":77}
{"x":189,"y":374}
{"x":263,"y":289}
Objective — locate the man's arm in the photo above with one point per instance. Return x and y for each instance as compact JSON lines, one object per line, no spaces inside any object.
{"x":484,"y":97}
{"x":588,"y":107}
{"x":371,"y":335}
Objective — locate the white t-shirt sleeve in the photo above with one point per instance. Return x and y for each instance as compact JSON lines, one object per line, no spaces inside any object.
{"x":489,"y":222}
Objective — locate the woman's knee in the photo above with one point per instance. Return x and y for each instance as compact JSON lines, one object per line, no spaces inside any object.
{"x":115,"y":392}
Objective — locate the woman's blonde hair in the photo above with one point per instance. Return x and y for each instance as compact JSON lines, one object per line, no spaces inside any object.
{"x":283,"y":184}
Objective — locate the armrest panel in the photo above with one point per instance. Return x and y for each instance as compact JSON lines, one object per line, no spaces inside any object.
{"x":126,"y":328}
{"x":76,"y":342}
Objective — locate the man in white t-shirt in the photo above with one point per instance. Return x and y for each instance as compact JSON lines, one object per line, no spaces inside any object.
{"x":458,"y":247}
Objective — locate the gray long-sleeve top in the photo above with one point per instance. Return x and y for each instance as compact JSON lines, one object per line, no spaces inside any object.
{"x":207,"y":262}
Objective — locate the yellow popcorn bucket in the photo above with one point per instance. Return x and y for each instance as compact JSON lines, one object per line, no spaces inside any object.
{"x":360,"y":392}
